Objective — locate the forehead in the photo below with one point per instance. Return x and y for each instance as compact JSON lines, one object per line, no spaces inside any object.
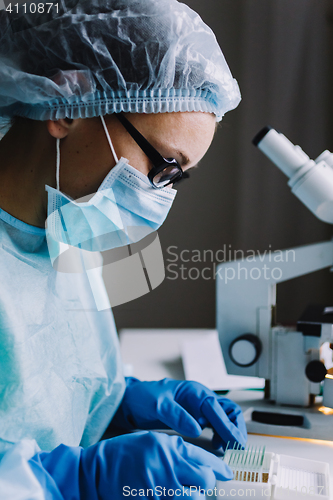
{"x":180,"y":121}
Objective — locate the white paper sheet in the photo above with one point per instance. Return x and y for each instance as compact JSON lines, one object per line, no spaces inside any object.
{"x":203,"y":361}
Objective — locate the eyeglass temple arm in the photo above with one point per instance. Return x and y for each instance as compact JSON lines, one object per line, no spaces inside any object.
{"x":146,"y":147}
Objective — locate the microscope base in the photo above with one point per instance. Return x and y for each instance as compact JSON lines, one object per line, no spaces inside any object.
{"x":264,"y":417}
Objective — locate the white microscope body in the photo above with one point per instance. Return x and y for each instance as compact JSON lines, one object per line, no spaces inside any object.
{"x":252,"y":344}
{"x":310,"y":180}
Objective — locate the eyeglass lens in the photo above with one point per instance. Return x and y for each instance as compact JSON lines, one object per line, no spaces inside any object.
{"x":166,"y":175}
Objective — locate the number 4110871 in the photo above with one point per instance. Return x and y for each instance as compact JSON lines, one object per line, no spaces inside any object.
{"x":32,"y":8}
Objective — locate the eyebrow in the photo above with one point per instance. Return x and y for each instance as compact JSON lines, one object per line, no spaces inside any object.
{"x":185,"y":159}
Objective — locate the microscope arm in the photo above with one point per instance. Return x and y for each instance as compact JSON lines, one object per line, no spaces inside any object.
{"x":246,"y":296}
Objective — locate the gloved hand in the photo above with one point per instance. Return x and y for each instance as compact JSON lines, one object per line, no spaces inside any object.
{"x":112,"y":468}
{"x":186,"y":407}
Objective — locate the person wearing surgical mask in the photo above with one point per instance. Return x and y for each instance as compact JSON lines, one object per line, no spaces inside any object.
{"x":105,"y":105}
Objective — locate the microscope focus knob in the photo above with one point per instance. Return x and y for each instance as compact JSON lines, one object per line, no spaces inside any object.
{"x":315,"y":371}
{"x":245,"y":350}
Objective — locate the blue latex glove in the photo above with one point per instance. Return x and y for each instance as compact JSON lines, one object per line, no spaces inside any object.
{"x":184,"y":406}
{"x":111,"y":468}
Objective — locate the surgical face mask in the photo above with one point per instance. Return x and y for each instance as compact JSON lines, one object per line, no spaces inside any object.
{"x":125,"y":209}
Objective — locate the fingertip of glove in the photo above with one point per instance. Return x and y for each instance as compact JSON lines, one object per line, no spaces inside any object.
{"x":243,"y":441}
{"x":224,"y":473}
{"x":228,"y":473}
{"x":216,"y":445}
{"x":192,"y":431}
{"x":216,"y":441}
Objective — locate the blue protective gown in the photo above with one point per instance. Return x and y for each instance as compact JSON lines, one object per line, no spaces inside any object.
{"x":60,"y":369}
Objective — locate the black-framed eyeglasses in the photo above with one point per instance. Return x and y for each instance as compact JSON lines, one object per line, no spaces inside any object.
{"x":165,"y":171}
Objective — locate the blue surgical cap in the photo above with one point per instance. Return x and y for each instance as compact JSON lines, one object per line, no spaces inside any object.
{"x":95,"y":57}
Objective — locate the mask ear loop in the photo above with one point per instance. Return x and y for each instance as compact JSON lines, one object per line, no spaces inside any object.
{"x":58,"y":164}
{"x":109,"y":139}
{"x":58,"y":153}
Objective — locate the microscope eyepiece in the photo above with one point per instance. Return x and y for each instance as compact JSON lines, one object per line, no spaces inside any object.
{"x":311,"y":181}
{"x":260,"y":135}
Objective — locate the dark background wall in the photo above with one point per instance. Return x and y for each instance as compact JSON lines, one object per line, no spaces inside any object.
{"x":280,"y":51}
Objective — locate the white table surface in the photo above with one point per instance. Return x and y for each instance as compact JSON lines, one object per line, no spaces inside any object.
{"x":153,"y":354}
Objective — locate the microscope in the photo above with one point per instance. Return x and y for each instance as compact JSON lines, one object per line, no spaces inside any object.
{"x":253,"y":344}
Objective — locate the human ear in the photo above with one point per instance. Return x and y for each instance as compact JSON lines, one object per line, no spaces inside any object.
{"x":60,"y":128}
